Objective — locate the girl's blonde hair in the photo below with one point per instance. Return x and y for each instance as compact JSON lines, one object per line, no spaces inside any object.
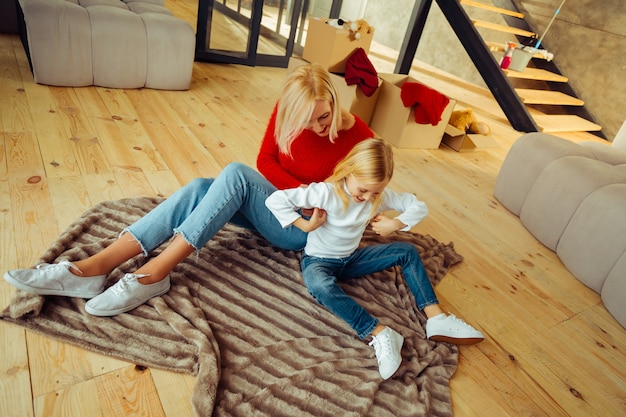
{"x":302,"y":87}
{"x":371,"y":161}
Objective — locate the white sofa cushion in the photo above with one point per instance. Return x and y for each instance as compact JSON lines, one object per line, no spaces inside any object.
{"x":614,"y":290}
{"x":560,"y":188}
{"x":605,"y":152}
{"x":525,"y":161}
{"x":53,"y":62}
{"x":595,"y":237}
{"x":619,"y":142}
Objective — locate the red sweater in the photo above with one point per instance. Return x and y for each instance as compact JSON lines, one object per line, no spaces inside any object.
{"x":312,"y":159}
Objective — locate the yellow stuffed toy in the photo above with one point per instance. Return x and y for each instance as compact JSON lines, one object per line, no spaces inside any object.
{"x":465,"y":121}
{"x":360,"y":27}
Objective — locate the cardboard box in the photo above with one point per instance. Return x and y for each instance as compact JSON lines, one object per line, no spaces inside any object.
{"x":396,"y":123}
{"x":331,"y":47}
{"x":350,"y":97}
{"x":464,"y":142}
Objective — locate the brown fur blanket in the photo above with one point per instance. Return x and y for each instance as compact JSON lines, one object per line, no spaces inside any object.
{"x":239,"y":317}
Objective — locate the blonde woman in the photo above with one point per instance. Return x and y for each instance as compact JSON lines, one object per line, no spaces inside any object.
{"x":306,"y":136}
{"x":352,"y":198}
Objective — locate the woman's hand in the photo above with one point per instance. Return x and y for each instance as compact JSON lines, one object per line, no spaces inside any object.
{"x":383,"y":225}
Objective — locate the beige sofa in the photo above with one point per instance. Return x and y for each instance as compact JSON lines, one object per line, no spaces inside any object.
{"x":572,"y":198}
{"x":109,"y":43}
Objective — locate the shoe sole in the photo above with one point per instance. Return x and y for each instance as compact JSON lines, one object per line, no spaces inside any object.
{"x":43,"y":291}
{"x":457,"y":341}
{"x":110,"y":313}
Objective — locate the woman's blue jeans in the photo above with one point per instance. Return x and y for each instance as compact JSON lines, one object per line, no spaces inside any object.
{"x":321,"y":276}
{"x":201,"y":208}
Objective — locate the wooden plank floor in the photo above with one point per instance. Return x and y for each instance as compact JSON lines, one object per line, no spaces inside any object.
{"x":551,"y":348}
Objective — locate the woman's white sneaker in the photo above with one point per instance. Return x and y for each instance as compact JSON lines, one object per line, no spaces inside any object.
{"x":125,"y":295}
{"x":55,"y":279}
{"x":442,"y":328}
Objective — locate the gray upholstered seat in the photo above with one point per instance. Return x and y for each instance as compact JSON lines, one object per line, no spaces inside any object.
{"x":109,"y":43}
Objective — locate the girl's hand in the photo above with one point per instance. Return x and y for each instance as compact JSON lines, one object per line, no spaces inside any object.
{"x":383,"y":225}
{"x":318,"y":218}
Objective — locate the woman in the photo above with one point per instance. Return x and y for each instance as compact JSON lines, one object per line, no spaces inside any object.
{"x":307,"y":135}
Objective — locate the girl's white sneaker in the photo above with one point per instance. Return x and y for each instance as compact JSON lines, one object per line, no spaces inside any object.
{"x":387,"y":345}
{"x":442,"y":328}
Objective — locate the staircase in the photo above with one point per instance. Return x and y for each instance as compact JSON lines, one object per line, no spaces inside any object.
{"x":536,"y":99}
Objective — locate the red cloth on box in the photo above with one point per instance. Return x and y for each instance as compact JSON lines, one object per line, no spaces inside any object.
{"x":360,"y":71}
{"x":429,"y":103}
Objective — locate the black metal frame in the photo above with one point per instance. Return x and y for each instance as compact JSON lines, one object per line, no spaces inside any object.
{"x":417,"y":21}
{"x":203,"y":32}
{"x":250,"y":56}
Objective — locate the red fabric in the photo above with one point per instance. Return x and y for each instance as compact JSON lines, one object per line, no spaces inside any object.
{"x":360,"y":71}
{"x":312,"y":158}
{"x":429,"y":103}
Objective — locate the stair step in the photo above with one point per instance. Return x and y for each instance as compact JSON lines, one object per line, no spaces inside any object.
{"x":504,"y":28}
{"x":493,"y":8}
{"x":536,"y":74}
{"x":530,"y":96}
{"x":553,"y":123}
{"x":495,"y":46}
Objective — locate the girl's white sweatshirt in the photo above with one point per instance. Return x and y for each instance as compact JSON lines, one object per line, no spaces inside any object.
{"x":340,"y":235}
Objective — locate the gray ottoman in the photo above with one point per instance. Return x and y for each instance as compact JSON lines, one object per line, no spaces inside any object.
{"x":109,"y":43}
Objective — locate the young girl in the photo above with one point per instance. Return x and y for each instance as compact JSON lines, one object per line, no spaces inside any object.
{"x":353,"y":197}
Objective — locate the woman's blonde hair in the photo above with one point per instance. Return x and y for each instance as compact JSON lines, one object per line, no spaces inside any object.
{"x":371,"y":161}
{"x":302,"y":87}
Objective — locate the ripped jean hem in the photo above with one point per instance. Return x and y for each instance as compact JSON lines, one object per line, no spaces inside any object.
{"x":186,"y":239}
{"x":143,"y":248}
{"x":146,"y":251}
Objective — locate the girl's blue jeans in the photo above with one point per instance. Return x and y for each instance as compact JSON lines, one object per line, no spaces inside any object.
{"x":201,"y":208}
{"x":321,"y":276}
